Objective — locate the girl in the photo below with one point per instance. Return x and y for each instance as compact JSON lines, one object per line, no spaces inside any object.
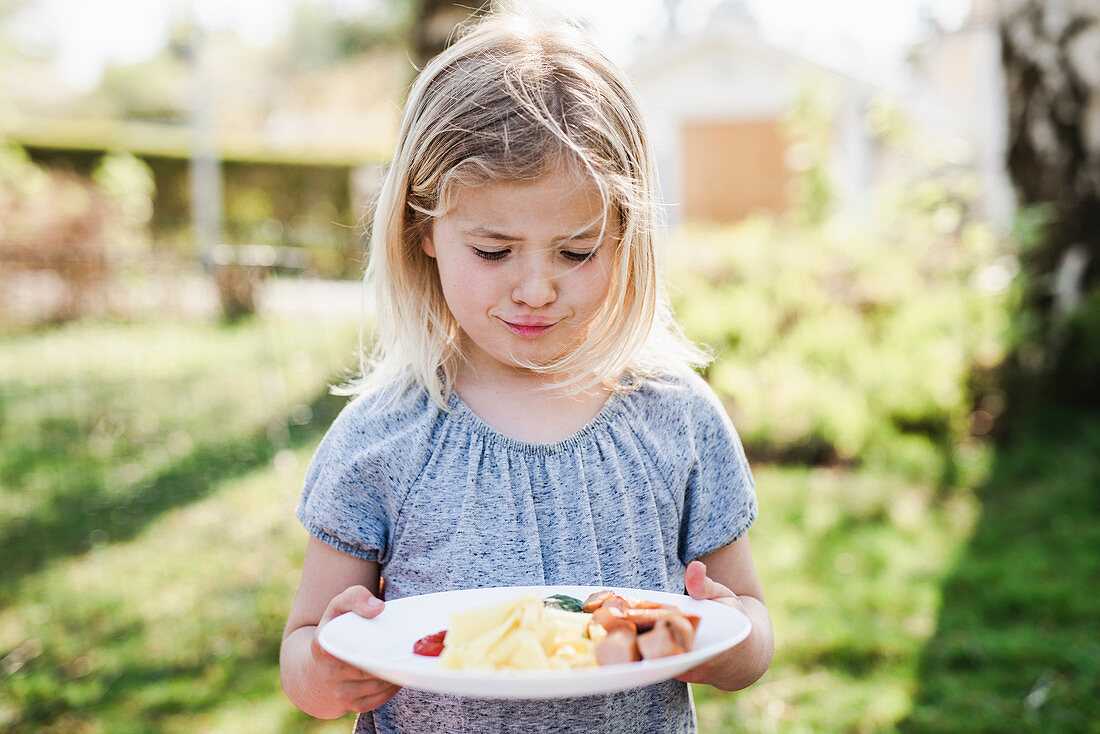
{"x":530,"y":414}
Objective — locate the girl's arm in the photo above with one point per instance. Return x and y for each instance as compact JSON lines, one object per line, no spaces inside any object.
{"x":318,"y":683}
{"x":728,"y":576}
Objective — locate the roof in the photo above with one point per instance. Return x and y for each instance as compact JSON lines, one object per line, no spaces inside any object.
{"x":166,"y":141}
{"x":735,"y":33}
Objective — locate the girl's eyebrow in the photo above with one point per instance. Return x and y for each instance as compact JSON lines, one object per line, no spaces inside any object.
{"x":589,"y":234}
{"x":491,"y":234}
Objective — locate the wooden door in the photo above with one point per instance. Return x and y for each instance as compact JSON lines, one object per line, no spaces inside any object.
{"x":732,"y":169}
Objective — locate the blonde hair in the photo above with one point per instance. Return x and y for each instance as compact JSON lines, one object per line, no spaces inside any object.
{"x":510,"y":100}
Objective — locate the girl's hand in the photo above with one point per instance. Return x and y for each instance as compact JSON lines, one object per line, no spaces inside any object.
{"x":350,"y":687}
{"x":701,"y":586}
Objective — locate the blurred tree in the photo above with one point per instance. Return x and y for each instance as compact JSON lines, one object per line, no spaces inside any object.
{"x":434,"y":22}
{"x":322,"y":36}
{"x":55,"y":227}
{"x":29,"y":83}
{"x":158,"y":88}
{"x":1051,"y":56}
{"x":808,"y":125}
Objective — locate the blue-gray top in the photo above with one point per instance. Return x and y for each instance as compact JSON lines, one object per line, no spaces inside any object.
{"x":443,"y":501}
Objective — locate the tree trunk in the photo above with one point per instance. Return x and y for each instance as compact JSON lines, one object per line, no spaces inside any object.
{"x":435,"y":21}
{"x":1051,"y":56}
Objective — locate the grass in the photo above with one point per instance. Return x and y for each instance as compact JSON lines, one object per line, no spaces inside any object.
{"x":900,"y":609}
{"x":148,"y":554}
{"x":852,"y":565}
{"x":1017,"y":645}
{"x":147,"y":550}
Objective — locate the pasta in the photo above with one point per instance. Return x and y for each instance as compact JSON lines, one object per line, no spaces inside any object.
{"x":519,"y":634}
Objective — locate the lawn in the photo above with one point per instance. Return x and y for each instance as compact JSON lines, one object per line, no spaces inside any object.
{"x":899,"y":608}
{"x":149,"y":474}
{"x":148,"y":553}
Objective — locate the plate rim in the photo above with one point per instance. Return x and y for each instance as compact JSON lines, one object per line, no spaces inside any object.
{"x":503,"y":684}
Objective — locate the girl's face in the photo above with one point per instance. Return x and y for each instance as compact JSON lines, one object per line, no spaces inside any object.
{"x":520,"y":268}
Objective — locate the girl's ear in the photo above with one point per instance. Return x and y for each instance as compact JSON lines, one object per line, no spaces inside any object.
{"x":427,"y":245}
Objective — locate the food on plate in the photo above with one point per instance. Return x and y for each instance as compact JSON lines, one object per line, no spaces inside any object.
{"x":564,"y":602}
{"x":519,"y":634}
{"x":627,"y":630}
{"x":560,"y":632}
{"x":430,"y":645}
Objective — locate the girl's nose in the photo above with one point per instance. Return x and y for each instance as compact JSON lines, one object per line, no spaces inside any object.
{"x":536,"y":288}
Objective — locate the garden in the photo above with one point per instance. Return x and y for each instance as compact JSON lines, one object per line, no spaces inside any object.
{"x":924,"y":571}
{"x":919,"y":410}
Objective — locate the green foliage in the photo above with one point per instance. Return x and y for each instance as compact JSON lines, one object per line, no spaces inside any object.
{"x":127,"y":183}
{"x":897,"y":609}
{"x":809,"y":125}
{"x":851,"y":565}
{"x":78,"y":228}
{"x":305,"y":207}
{"x":320,"y":36}
{"x":851,"y":344}
{"x":859,"y":341}
{"x":19,"y":176}
{"x":159,"y":88}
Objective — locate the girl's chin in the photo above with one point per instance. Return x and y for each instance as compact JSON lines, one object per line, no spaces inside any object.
{"x":521,"y":354}
{"x":528,"y":360}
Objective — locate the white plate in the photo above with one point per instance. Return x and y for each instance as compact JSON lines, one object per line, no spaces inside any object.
{"x":383,"y":645}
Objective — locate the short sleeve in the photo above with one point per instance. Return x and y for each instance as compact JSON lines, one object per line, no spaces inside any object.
{"x":347,"y":499}
{"x":720,"y":497}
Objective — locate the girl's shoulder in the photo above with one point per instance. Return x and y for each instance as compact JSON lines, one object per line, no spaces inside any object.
{"x":681,"y":409}
{"x":391,"y":420}
{"x":684,"y":393}
{"x":386,"y":410}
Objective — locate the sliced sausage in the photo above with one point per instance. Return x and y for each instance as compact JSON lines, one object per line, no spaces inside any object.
{"x":594,"y":601}
{"x":661,"y":641}
{"x":620,"y":646}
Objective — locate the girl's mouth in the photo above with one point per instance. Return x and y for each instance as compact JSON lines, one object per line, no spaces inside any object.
{"x":529,"y":330}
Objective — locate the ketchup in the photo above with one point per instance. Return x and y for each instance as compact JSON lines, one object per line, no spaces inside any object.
{"x":430,"y":645}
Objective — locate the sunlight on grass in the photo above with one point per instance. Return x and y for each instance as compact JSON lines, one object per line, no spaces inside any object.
{"x":106,"y":425}
{"x":149,"y":546}
{"x":1015,"y":647}
{"x":852,"y":565}
{"x":177,"y":629}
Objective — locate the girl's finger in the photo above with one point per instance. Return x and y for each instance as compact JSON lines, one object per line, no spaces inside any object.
{"x":372,"y":701}
{"x":353,"y":689}
{"x":356,"y":599}
{"x":337,"y":671}
{"x":700,"y":586}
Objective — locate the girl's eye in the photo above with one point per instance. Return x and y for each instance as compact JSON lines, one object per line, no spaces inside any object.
{"x":579,"y":257}
{"x":490,"y":254}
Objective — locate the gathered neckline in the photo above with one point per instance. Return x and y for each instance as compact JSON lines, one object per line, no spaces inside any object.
{"x":611,"y":405}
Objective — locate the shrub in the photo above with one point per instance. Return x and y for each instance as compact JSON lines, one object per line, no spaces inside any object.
{"x":62,"y":235}
{"x":850,"y":344}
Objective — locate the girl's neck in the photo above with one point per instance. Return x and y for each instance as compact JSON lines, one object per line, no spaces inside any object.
{"x":520,"y":406}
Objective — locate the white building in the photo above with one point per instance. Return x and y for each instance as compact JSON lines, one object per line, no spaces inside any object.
{"x":715,"y":99}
